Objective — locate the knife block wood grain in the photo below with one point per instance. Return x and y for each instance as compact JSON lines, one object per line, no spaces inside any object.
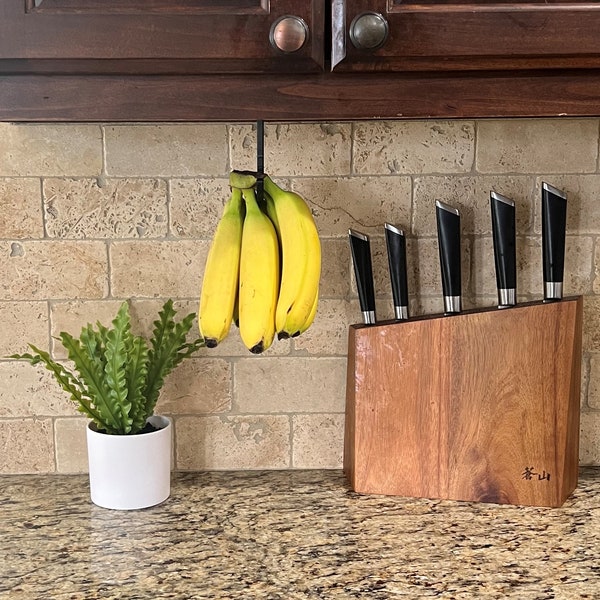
{"x":479,"y":406}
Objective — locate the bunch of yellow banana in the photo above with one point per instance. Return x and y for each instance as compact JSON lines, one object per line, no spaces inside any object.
{"x":263,"y":266}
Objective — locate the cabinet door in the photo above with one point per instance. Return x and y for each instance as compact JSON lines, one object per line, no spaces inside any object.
{"x":467,"y":34}
{"x":161,"y":36}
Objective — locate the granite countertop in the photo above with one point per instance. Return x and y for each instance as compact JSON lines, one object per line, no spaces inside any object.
{"x":291,"y":534}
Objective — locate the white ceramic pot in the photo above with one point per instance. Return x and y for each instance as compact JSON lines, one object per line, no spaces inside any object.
{"x":130,"y":471}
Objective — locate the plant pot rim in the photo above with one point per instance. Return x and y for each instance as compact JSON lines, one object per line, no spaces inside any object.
{"x":159,"y":421}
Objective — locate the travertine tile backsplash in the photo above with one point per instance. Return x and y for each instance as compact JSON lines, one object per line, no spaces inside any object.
{"x":94,"y":214}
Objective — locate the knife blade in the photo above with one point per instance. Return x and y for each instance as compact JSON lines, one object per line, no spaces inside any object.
{"x":505,"y":254}
{"x":554,"y":225}
{"x":396,"y":250}
{"x":448,"y":228}
{"x":360,"y":247}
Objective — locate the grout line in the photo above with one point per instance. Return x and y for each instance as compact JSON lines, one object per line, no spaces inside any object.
{"x":103,"y":172}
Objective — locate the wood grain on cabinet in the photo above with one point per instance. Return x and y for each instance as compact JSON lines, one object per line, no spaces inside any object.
{"x":478,"y":35}
{"x":290,"y":98}
{"x":122,"y":37}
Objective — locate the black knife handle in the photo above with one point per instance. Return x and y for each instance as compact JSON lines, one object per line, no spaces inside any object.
{"x":448,"y":228}
{"x":554,"y":224}
{"x":505,"y":253}
{"x":363,"y":271}
{"x":396,"y":250}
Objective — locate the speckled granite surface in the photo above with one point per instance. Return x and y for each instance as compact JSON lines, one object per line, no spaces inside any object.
{"x":282,"y":535}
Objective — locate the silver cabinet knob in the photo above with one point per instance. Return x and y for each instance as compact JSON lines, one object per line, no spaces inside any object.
{"x":369,"y":31}
{"x":288,"y":34}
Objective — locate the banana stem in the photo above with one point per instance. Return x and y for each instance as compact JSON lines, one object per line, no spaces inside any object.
{"x":243,"y":180}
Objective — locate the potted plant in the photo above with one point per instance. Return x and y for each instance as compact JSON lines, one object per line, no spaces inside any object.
{"x":116,"y":383}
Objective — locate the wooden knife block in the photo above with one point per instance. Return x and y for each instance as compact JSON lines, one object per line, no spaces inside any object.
{"x":480,"y":406}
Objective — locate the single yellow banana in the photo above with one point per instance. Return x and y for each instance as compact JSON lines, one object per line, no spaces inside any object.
{"x":311,"y":316}
{"x":259,"y":277}
{"x":301,"y":260}
{"x":220,"y":281}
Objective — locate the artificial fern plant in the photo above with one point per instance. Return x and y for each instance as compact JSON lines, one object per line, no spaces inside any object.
{"x":118,"y":376}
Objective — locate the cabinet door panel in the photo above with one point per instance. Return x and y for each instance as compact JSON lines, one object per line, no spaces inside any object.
{"x":162,"y":36}
{"x":477,"y":34}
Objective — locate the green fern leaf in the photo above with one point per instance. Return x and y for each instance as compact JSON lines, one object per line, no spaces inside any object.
{"x":115,"y":367}
{"x":67,"y":381}
{"x":167,"y":340}
{"x":137,"y":371}
{"x":92,"y":375}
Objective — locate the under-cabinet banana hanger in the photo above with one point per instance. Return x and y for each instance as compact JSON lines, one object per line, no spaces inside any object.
{"x":260,"y":160}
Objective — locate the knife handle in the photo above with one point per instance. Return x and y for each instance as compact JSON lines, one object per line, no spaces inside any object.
{"x":396,"y":249}
{"x":448,"y":228}
{"x":363,"y":270}
{"x":505,"y":254}
{"x":554,"y":222}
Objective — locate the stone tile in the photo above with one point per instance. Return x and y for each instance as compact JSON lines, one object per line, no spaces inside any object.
{"x":591,"y":324}
{"x":318,"y":441}
{"x":427,"y":305}
{"x":287,"y":384}
{"x":50,"y":150}
{"x":425,"y":261}
{"x":484,"y":274}
{"x":424,"y":255}
{"x":197,"y":386}
{"x":407,"y":147}
{"x":355,"y":314}
{"x":471,"y":195}
{"x":529,"y":267}
{"x":105,"y":208}
{"x":20,"y":208}
{"x":26,"y":446}
{"x":71,"y":445}
{"x":73,"y":316}
{"x":294,"y":149}
{"x":381,"y":270}
{"x":596,"y":272}
{"x":537,"y":145}
{"x":232,"y":345}
{"x":166,"y":150}
{"x":585,"y":379}
{"x":145,"y":312}
{"x":384,"y":310}
{"x":23,"y":323}
{"x":336,"y":268}
{"x":583,"y":209}
{"x":53,"y":270}
{"x":236,"y":442}
{"x":328,"y":335}
{"x":589,"y":441}
{"x":579,"y":265}
{"x":157,"y":269}
{"x":31,"y":391}
{"x":362,"y":203}
{"x":197,"y":205}
{"x":593,"y":384}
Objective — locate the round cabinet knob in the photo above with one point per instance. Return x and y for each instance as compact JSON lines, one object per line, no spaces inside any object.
{"x":368,"y":31}
{"x":288,"y":34}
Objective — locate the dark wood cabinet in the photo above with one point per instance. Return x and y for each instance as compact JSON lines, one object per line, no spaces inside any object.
{"x":470,"y":35}
{"x":156,"y":36}
{"x":286,"y":60}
